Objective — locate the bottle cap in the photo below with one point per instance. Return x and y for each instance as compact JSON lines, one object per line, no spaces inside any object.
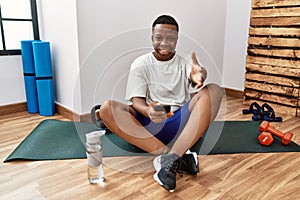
{"x":94,"y":137}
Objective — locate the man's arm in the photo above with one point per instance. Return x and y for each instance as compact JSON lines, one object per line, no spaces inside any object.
{"x":139,"y":104}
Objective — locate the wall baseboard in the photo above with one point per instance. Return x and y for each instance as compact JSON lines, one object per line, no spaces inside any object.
{"x":234,"y":93}
{"x":65,"y":112}
{"x":12,"y":108}
{"x":69,"y":114}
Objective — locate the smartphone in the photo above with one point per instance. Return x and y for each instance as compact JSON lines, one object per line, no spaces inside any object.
{"x":166,"y":108}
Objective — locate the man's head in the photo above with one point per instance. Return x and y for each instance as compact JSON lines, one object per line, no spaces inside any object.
{"x":164,"y":37}
{"x":165,"y":19}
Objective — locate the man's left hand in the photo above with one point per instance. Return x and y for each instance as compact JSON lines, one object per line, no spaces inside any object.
{"x":198,"y":73}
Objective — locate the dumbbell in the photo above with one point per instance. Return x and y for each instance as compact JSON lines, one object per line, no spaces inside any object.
{"x":285,"y":137}
{"x":265,"y":138}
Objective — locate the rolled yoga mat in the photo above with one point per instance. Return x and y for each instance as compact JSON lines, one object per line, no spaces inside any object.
{"x":45,"y":96}
{"x":31,"y":93}
{"x":44,"y":78}
{"x":29,"y":75}
{"x":42,"y":59}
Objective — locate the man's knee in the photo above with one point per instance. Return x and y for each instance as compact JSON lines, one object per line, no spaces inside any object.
{"x":105,"y":109}
{"x":110,"y":108}
{"x":210,"y":93}
{"x":211,"y":90}
{"x":215,"y":90}
{"x":214,"y":87}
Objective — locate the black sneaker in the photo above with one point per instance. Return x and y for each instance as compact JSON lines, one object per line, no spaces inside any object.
{"x":190,"y":163}
{"x":166,"y":175}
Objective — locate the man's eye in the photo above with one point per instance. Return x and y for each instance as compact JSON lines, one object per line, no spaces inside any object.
{"x":172,"y":39}
{"x":158,"y":38}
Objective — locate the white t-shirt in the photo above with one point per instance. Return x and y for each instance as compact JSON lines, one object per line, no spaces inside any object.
{"x":167,"y":82}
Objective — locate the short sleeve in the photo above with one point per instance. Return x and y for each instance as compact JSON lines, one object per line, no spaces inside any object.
{"x":136,"y":83}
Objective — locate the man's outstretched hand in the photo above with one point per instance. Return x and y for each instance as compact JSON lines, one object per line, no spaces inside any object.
{"x":198,"y":73}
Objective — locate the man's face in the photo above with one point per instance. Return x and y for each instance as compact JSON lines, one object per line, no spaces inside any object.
{"x":164,"y":40}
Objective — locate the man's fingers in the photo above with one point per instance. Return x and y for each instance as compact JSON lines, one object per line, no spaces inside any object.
{"x":170,"y":114}
{"x":194,"y":58}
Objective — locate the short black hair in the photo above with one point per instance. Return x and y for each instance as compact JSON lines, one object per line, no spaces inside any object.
{"x":165,"y":19}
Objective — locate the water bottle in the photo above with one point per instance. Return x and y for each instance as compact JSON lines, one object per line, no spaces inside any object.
{"x":94,"y":156}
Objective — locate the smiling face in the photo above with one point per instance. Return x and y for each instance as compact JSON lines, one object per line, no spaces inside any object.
{"x":164,"y":40}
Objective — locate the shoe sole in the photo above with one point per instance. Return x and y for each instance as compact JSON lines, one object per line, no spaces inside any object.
{"x":156,"y":163}
{"x":194,"y":154}
{"x":196,"y":161}
{"x":155,"y":176}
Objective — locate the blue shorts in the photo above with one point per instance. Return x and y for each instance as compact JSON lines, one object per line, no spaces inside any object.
{"x":169,"y":129}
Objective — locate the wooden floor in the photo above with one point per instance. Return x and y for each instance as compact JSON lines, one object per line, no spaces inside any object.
{"x":231,"y":176}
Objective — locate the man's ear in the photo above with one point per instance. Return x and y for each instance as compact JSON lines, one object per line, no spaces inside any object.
{"x":152,"y":37}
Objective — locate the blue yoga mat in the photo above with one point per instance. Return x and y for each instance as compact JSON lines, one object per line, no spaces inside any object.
{"x":27,"y":56}
{"x":29,"y":75}
{"x":31,"y":94}
{"x":42,"y":59}
{"x":44,"y":79}
{"x":45,"y":97}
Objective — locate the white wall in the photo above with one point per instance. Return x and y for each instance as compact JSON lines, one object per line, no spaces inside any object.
{"x":93,"y":43}
{"x":236,"y":41}
{"x":58,"y":25}
{"x":11,"y":80}
{"x":112,"y":33}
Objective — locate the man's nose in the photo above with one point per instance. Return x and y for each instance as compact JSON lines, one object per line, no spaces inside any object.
{"x":164,"y":42}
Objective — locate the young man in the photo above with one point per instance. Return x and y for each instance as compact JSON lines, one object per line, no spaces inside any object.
{"x":163,"y":77}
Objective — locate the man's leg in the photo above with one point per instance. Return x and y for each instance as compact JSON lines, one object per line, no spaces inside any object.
{"x":204,"y":107}
{"x":119,"y":118}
